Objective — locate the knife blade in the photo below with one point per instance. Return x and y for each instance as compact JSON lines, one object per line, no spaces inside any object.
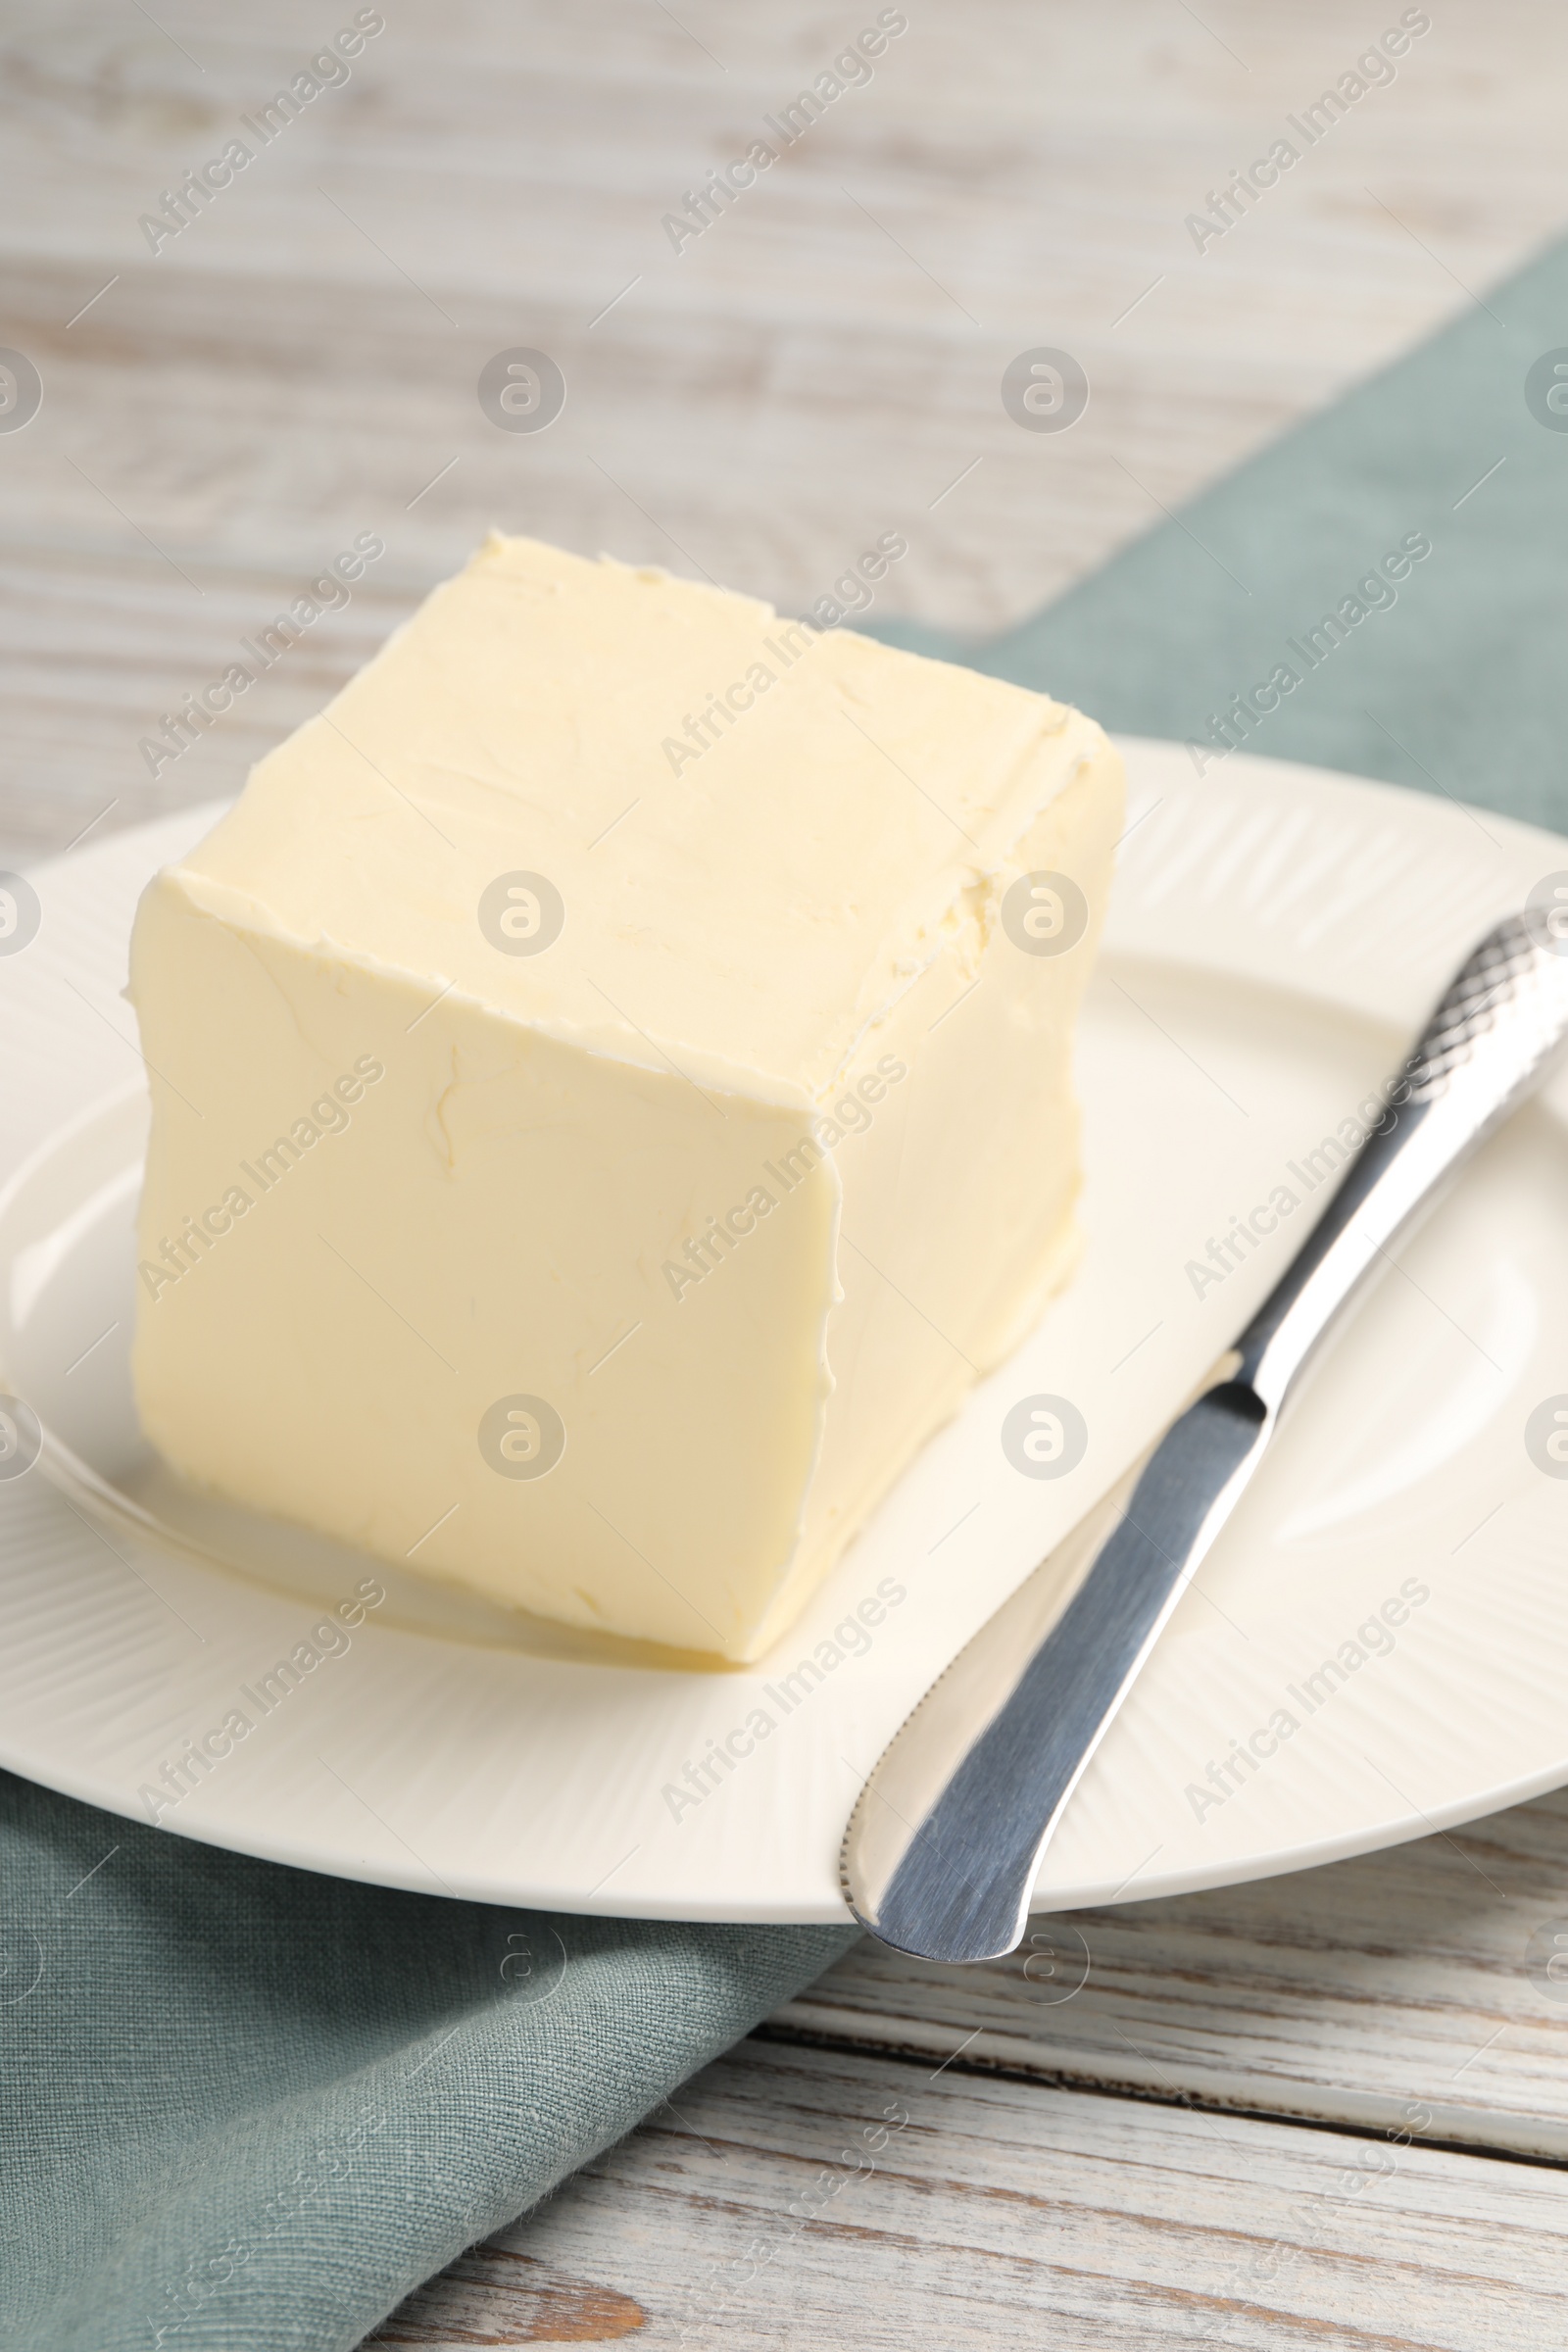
{"x":943,"y":1847}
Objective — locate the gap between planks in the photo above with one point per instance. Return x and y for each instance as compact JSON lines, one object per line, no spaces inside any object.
{"x":990,"y":2212}
{"x":1411,"y":1980}
{"x":1458,"y":2131}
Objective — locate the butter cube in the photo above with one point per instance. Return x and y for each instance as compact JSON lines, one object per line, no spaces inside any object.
{"x":612,"y":1093}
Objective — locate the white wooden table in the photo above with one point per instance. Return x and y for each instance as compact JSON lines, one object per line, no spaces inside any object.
{"x":1321,"y":2111}
{"x":1326,"y":2110}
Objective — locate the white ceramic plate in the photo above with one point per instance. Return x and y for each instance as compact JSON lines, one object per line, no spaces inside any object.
{"x":1276,"y":934}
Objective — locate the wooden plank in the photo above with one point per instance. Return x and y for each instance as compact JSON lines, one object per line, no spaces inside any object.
{"x":1407,"y":1983}
{"x":820,"y":366}
{"x":802,"y":2197}
{"x":94,"y":651}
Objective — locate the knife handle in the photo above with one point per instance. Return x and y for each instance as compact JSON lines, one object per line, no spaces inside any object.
{"x":1501,"y":1024}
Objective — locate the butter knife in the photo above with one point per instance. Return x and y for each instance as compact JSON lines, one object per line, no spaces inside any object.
{"x":943,"y":1846}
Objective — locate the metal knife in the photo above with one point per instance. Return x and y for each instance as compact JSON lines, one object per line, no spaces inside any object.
{"x":941,"y":1851}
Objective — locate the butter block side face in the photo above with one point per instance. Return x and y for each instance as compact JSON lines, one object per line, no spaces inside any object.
{"x":657,"y":1244}
{"x":382,"y":1237}
{"x":960,"y":1189}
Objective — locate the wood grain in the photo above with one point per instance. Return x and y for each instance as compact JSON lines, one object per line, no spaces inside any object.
{"x":495,"y":2295}
{"x":1411,"y":1979}
{"x":823,"y":365}
{"x":1003,"y":2213}
{"x":1400,"y":2001}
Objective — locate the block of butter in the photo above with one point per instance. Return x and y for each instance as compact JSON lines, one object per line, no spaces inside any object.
{"x":612,"y":1093}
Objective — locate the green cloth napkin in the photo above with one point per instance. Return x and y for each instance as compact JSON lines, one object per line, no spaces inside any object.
{"x":248,"y":2107}
{"x":245,"y":2107}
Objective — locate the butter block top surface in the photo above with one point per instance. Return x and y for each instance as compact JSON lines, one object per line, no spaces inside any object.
{"x":760,"y":837}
